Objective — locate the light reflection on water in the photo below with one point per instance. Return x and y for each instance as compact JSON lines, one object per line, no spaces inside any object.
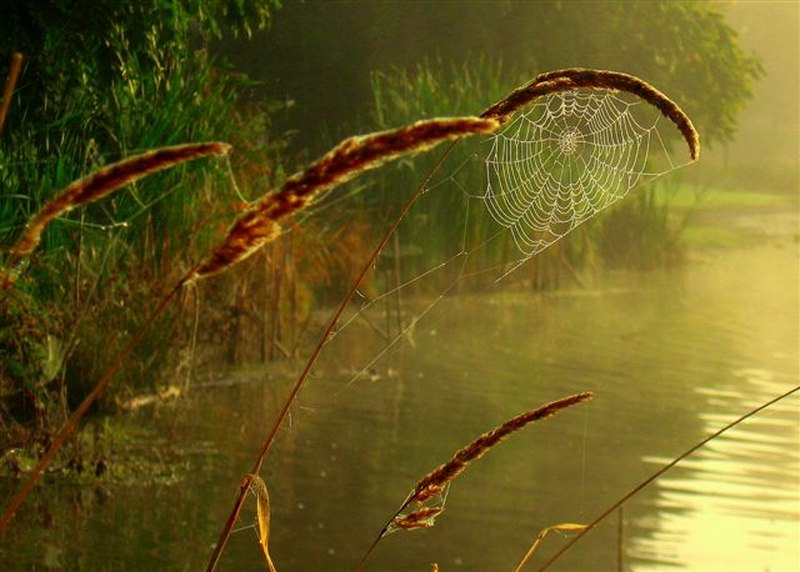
{"x":672,"y":357}
{"x":739,"y":497}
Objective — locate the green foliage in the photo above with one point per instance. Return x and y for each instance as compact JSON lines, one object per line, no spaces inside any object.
{"x":70,"y":44}
{"x":639,"y":232}
{"x":683,"y":47}
{"x":103,"y":80}
{"x":433,"y":89}
{"x":30,"y":358}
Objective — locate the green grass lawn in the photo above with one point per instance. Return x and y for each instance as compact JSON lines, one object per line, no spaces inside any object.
{"x":708,"y":212}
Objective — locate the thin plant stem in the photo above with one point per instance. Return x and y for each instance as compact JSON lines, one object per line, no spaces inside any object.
{"x":663,"y":470}
{"x":8,"y":89}
{"x":237,"y":508}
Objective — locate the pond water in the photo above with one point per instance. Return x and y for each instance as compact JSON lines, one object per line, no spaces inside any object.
{"x":672,"y":356}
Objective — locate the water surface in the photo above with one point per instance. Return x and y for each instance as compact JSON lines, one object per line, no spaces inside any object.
{"x":671,"y":355}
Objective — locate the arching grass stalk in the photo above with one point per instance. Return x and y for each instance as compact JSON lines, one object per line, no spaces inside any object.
{"x":663,"y":470}
{"x":97,"y":185}
{"x":579,"y":78}
{"x":417,"y":511}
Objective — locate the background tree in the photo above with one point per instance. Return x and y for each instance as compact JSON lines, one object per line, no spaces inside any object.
{"x":686,"y":48}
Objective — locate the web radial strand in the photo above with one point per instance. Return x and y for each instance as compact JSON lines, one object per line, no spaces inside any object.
{"x":566,"y":158}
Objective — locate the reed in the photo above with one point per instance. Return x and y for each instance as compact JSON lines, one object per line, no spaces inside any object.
{"x":332,"y":323}
{"x":657,"y":474}
{"x":261,"y":223}
{"x":252,"y":230}
{"x":8,"y":88}
{"x":579,"y":78}
{"x":565,"y":527}
{"x":100,"y":184}
{"x":240,"y":244}
{"x":436,"y":480}
{"x":436,"y":87}
{"x":414,"y":513}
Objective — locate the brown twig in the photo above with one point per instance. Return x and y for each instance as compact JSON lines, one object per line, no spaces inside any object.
{"x":8,"y":89}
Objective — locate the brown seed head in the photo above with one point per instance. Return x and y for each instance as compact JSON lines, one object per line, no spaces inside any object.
{"x":578,"y":78}
{"x":438,"y":478}
{"x":262,"y":222}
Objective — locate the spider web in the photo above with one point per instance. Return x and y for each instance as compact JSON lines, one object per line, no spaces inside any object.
{"x":496,"y":203}
{"x":566,"y":158}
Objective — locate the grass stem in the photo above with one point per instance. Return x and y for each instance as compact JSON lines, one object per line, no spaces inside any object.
{"x":234,"y":515}
{"x":663,"y":470}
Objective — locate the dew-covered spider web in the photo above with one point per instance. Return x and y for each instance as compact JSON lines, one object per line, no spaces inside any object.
{"x":563,"y":160}
{"x":496,"y":203}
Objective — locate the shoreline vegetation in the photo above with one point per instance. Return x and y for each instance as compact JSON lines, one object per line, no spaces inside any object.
{"x":110,"y":287}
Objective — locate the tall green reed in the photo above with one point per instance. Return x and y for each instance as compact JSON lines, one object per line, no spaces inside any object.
{"x":97,"y":266}
{"x":433,"y":87}
{"x":429,"y":89}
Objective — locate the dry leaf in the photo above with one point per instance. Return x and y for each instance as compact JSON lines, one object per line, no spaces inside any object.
{"x":563,"y":527}
{"x":259,"y":488}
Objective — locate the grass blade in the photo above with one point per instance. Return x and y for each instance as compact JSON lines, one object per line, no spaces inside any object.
{"x":663,"y":470}
{"x":261,"y":223}
{"x":8,"y":89}
{"x":565,"y":527}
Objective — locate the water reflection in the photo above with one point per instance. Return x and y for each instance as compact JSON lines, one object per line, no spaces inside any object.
{"x":740,"y":490}
{"x":672,"y":357}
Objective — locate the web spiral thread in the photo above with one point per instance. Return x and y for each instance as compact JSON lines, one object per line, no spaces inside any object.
{"x":565,"y":158}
